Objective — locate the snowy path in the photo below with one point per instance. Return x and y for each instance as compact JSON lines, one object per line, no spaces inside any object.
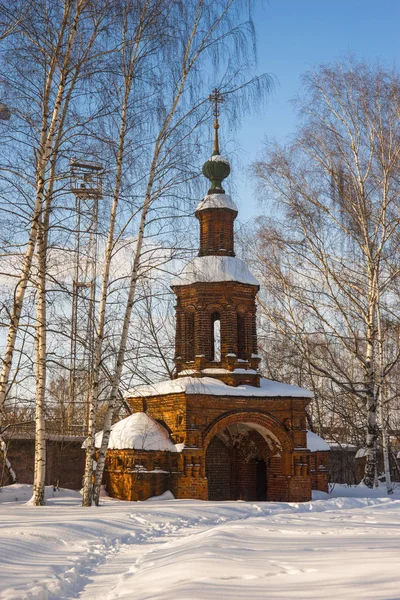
{"x":341,"y":554}
{"x":347,"y":548}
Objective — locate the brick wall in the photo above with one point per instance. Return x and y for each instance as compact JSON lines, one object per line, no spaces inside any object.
{"x":65,"y":461}
{"x":216,"y":232}
{"x":197,"y":420}
{"x":139,"y":474}
{"x":196,"y":304}
{"x":319,"y":471}
{"x":218,"y":470}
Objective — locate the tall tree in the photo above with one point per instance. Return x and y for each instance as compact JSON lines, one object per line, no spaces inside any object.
{"x":333,"y":258}
{"x":57,"y":42}
{"x":47,"y":38}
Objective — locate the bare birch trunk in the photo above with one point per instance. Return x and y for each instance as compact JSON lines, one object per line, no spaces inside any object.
{"x":371,"y":397}
{"x":385,"y":446}
{"x":6,"y":463}
{"x":40,"y":422}
{"x":98,"y":344}
{"x":381,"y":404}
{"x":87,"y":495}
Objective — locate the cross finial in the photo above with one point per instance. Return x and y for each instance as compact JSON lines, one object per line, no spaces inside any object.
{"x":216,"y":98}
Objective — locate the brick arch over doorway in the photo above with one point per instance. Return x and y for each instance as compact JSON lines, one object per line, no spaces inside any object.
{"x":247,"y":457}
{"x":259,"y":421}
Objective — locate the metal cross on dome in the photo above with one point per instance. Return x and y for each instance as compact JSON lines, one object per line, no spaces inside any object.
{"x":216,"y":98}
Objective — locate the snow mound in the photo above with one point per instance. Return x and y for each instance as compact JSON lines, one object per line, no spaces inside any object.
{"x":217,"y":201}
{"x":168,"y":495}
{"x":138,"y":432}
{"x":214,"y":387}
{"x":22,"y":492}
{"x":316,"y":443}
{"x":215,"y":269}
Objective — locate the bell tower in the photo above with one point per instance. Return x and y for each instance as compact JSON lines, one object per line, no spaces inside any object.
{"x":216,"y":293}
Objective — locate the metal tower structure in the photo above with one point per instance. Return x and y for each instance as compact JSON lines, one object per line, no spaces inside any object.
{"x":86,"y":185}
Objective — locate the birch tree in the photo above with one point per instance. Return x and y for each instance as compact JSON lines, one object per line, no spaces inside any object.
{"x":139,"y":36}
{"x":52,"y":38}
{"x":59,"y":43}
{"x":335,"y":263}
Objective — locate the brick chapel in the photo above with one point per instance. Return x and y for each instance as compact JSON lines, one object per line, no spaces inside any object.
{"x":219,"y":430}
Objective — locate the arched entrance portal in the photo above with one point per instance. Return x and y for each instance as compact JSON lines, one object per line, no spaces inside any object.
{"x":236,"y":464}
{"x":244,"y":458}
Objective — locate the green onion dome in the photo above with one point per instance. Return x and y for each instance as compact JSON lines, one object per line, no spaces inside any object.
{"x":216,"y":169}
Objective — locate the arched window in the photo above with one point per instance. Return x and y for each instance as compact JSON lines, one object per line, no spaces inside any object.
{"x":216,"y":337}
{"x":241,"y":335}
{"x":189,"y":336}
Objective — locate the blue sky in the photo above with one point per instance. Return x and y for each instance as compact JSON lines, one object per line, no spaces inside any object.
{"x":294,"y":36}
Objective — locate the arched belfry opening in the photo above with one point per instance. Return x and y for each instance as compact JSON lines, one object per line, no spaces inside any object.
{"x":215,"y":354}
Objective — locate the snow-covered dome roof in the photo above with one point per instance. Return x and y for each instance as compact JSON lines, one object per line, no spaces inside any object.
{"x":315,"y":443}
{"x":137,"y":432}
{"x":215,"y":269}
{"x":217,"y":201}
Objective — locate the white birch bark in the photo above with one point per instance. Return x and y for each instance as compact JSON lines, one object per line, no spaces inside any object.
{"x":39,"y":480}
{"x":6,"y":463}
{"x":128,"y":66}
{"x":381,"y":405}
{"x":371,"y":401}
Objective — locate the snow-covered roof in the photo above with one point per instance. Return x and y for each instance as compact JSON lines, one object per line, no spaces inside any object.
{"x":342,"y":446}
{"x":215,"y":269}
{"x":361,"y":453}
{"x":138,"y":432}
{"x":214,"y":387}
{"x":217,"y":201}
{"x":219,"y":158}
{"x":315,"y":443}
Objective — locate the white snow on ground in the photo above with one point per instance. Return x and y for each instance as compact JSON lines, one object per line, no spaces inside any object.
{"x":334,"y":547}
{"x":215,"y":269}
{"x":215,"y":387}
